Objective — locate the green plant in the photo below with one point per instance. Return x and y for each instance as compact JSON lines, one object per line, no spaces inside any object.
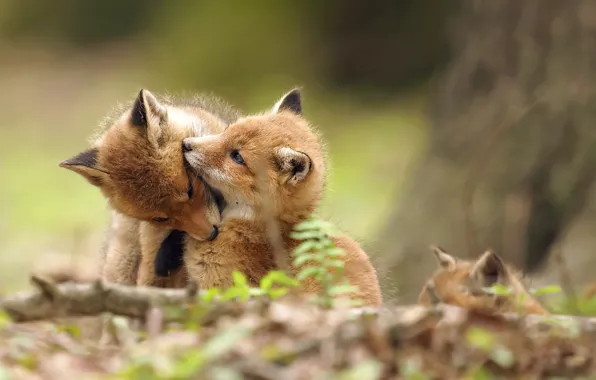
{"x":505,"y":291}
{"x":488,"y":342}
{"x":411,"y":369}
{"x":367,"y":369}
{"x":498,"y":290}
{"x":187,"y":363}
{"x":319,"y":258}
{"x":273,"y":285}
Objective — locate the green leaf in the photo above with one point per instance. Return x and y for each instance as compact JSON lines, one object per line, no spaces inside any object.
{"x":224,"y":341}
{"x":309,"y":272}
{"x":334,"y":263}
{"x":266,"y":282}
{"x":225,"y":373}
{"x":342,"y":289}
{"x":481,"y":373}
{"x":479,"y":337}
{"x":302,"y":259}
{"x":239,"y":278}
{"x":368,"y":369}
{"x":276,"y":293}
{"x":256,"y":292}
{"x":309,"y":224}
{"x":210,"y":294}
{"x":305,"y":235}
{"x":5,"y":320}
{"x":411,"y":369}
{"x":232,"y":293}
{"x":498,"y":289}
{"x":307,"y":246}
{"x":279,"y":277}
{"x":502,"y":356}
{"x":120,"y":322}
{"x":28,"y":360}
{"x":335,"y":252}
{"x":73,"y":330}
{"x":546,"y":290}
{"x":188,"y":365}
{"x":4,"y":373}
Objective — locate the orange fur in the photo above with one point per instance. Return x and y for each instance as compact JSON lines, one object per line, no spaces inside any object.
{"x":122,"y":252}
{"x":269,"y":166}
{"x":140,"y":168}
{"x":138,"y":165}
{"x":151,"y":238}
{"x":460,"y":282}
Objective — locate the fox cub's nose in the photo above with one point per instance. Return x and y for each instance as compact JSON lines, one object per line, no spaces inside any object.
{"x":186,"y":145}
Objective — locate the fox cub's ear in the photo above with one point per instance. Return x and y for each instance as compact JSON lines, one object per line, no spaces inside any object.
{"x":85,"y":164}
{"x":149,"y":114}
{"x":294,"y":166}
{"x":292,"y":101}
{"x":489,"y":269}
{"x":445,"y":260}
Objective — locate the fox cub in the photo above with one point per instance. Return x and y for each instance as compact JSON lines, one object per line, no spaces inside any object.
{"x":461,"y":283}
{"x":137,"y":163}
{"x":265,"y":166}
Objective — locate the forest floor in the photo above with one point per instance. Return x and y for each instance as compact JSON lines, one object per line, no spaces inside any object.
{"x":290,"y":338}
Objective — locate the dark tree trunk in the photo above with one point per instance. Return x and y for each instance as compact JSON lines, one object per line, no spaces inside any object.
{"x":512,"y":153}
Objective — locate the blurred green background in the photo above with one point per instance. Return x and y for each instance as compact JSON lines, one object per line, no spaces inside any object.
{"x":460,"y":123}
{"x":65,"y":63}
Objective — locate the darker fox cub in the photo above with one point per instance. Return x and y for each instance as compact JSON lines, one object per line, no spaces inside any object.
{"x":138,"y":165}
{"x":461,"y":283}
{"x":268,"y":166}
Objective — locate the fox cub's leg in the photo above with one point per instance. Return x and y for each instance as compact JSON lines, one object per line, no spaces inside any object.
{"x":122,"y":251}
{"x":152,"y":238}
{"x":121,"y":258}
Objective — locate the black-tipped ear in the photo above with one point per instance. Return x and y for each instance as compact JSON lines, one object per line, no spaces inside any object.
{"x":170,"y":254}
{"x":85,"y":164}
{"x":445,"y":260}
{"x":293,"y":165}
{"x":145,"y":108}
{"x":292,"y":101}
{"x":139,"y":112}
{"x":489,"y":268}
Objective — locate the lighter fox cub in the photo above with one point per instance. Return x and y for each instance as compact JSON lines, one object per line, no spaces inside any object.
{"x":137,"y":163}
{"x":461,"y":282}
{"x":266,"y":166}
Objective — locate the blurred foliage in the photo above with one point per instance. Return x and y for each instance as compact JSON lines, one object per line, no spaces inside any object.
{"x":76,"y":60}
{"x":76,"y":23}
{"x":368,"y":47}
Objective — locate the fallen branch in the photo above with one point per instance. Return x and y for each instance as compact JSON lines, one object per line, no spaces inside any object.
{"x":77,"y":300}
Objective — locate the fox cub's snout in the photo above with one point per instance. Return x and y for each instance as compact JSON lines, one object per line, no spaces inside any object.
{"x":274,"y":156}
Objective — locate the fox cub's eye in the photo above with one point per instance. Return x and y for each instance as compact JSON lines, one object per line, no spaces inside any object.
{"x":235,"y":155}
{"x":191,"y":189}
{"x":160,"y":220}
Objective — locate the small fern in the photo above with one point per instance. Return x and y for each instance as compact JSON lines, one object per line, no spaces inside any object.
{"x":273,"y":285}
{"x":319,"y":258}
